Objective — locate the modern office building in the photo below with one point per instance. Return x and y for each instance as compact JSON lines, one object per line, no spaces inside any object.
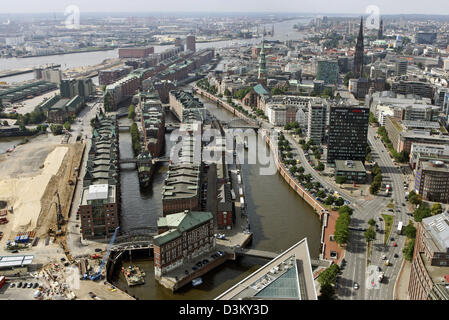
{"x":327,"y":70}
{"x":191,"y":43}
{"x":316,"y":120}
{"x":425,"y":152}
{"x":348,"y":132}
{"x":432,"y":181}
{"x":289,"y":276}
{"x":183,"y":236}
{"x":353,"y":171}
{"x":401,"y":67}
{"x":429,"y":277}
{"x":425,"y":37}
{"x":419,"y":88}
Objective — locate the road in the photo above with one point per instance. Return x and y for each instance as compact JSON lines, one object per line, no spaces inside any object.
{"x":356,"y":253}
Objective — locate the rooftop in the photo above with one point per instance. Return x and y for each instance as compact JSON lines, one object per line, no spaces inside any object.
{"x":288,"y":276}
{"x":438,"y":226}
{"x":348,"y":165}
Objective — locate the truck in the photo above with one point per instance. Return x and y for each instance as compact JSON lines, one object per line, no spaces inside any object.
{"x":399,"y":230}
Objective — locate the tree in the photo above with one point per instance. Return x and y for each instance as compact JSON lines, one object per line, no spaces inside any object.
{"x":321,"y":194}
{"x":131,"y":112}
{"x":320,"y":166}
{"x":5,"y":123}
{"x":410,"y":230}
{"x":340,"y":179}
{"x":413,"y":198}
{"x":339,"y":201}
{"x":327,"y":292}
{"x":345,"y":209}
{"x":327,"y":92}
{"x":408,"y":250}
{"x":56,"y":129}
{"x":370,"y":234}
{"x":227,"y":93}
{"x":436,"y":209}
{"x":421,"y":213}
{"x":372,"y":222}
{"x":328,"y":276}
{"x":341,"y":234}
{"x":67,"y":125}
{"x":301,"y":169}
{"x":329,"y":200}
{"x":348,"y":76}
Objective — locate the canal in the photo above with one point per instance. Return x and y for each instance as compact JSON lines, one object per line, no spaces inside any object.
{"x":278,"y":217}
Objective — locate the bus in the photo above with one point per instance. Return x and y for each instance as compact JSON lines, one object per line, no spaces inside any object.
{"x":399,"y":230}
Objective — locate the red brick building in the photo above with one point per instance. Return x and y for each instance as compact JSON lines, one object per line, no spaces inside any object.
{"x":182,"y":237}
{"x":135,"y":52}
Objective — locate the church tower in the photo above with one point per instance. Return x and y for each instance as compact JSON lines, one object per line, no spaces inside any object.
{"x":359,"y":49}
{"x":262,"y":74}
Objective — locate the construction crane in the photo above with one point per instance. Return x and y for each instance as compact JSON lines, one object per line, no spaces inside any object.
{"x":97,"y":276}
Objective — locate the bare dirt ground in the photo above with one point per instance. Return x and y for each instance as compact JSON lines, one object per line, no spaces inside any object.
{"x":29,"y":178}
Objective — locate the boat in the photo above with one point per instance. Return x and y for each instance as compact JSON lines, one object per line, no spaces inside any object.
{"x":133,"y":275}
{"x":197,"y":282}
{"x":145,"y":169}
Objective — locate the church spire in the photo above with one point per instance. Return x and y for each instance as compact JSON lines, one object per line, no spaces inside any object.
{"x":359,"y":52}
{"x":262,"y":74}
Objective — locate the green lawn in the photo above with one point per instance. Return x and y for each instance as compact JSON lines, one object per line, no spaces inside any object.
{"x":388,"y":220}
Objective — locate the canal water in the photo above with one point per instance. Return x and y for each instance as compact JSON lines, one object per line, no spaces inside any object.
{"x":278,"y":217}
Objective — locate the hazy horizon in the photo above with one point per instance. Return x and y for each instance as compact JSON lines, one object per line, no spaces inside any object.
{"x":348,"y":7}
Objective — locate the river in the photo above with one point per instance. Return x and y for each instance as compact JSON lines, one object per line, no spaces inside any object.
{"x":278,"y":216}
{"x":282,"y":31}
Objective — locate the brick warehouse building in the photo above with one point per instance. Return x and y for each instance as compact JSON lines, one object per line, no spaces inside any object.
{"x":429,"y":277}
{"x":135,"y":52}
{"x":182,"y":236}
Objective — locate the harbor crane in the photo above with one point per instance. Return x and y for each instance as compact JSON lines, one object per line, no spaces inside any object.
{"x":97,"y":276}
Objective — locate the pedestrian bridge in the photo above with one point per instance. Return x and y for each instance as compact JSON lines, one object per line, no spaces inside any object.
{"x":271,"y":255}
{"x":242,"y":124}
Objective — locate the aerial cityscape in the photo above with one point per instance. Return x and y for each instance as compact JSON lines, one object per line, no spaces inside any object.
{"x":224,"y":151}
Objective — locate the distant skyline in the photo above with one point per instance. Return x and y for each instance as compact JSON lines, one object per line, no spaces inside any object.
{"x":439,"y":7}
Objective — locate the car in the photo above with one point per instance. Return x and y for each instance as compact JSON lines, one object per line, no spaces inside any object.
{"x":98,"y":250}
{"x":36,"y":285}
{"x":205,"y":261}
{"x":199,"y":264}
{"x":395,"y":244}
{"x":396,"y":255}
{"x":194,"y":268}
{"x":356,"y":286}
{"x":19,"y":285}
{"x":30,"y":285}
{"x":391,"y":239}
{"x":15,"y":251}
{"x":92,"y":295}
{"x":403,"y":204}
{"x":25,"y":285}
{"x":12,"y":285}
{"x":380,"y":219}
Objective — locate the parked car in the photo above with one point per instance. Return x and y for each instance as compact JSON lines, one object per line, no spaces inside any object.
{"x":396,"y":255}
{"x":30,"y":285}
{"x":19,"y":285}
{"x":36,"y":285}
{"x":395,"y":244}
{"x":356,"y":286}
{"x":12,"y":285}
{"x":391,"y":239}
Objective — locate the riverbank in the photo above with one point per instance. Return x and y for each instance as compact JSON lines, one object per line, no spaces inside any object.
{"x":329,"y":248}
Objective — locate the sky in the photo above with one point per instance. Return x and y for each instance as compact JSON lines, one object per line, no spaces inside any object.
{"x":300,"y":6}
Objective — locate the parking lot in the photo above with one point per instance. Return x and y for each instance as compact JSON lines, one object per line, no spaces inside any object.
{"x":16,"y":290}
